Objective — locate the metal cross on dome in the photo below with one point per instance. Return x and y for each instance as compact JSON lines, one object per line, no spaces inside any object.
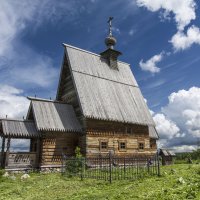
{"x":110,"y":25}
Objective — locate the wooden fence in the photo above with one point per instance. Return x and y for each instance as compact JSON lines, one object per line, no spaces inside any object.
{"x":20,"y":160}
{"x":111,"y":168}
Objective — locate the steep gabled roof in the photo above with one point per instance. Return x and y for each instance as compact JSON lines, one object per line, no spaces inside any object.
{"x":54,"y":116}
{"x":153,"y":133}
{"x":105,"y":93}
{"x":19,"y":129}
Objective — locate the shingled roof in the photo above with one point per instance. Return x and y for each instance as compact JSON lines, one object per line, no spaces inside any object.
{"x":105,"y":93}
{"x":19,"y":129}
{"x":167,"y":152}
{"x":153,"y":133}
{"x":48,"y":116}
{"x":54,"y":116}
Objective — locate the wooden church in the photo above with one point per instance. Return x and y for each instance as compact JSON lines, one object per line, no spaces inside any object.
{"x":99,"y":107}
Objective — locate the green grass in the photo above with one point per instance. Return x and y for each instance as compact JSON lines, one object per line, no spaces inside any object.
{"x":55,"y":187}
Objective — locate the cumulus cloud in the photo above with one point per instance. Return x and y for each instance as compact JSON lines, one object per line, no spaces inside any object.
{"x":183,"y":10}
{"x":181,"y":41}
{"x":151,"y":64}
{"x":19,"y":145}
{"x":167,"y":129}
{"x":12,"y":103}
{"x":179,"y":123}
{"x":184,"y":109}
{"x":184,"y":148}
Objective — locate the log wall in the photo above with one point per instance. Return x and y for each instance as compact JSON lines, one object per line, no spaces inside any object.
{"x":54,"y":144}
{"x":113,"y":134}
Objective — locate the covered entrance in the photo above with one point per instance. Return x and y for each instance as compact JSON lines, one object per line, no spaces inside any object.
{"x":15,"y":129}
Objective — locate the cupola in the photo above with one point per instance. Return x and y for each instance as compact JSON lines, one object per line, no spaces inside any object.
{"x":110,"y":54}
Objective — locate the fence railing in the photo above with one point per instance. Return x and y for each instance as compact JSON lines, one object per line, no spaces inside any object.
{"x":20,"y":160}
{"x":110,"y":167}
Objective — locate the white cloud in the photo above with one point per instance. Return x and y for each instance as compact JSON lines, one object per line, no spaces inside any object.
{"x":184,"y":109}
{"x":20,"y":145}
{"x":151,"y":64}
{"x":184,"y":148}
{"x":166,"y":128}
{"x":181,"y":41}
{"x":40,"y":71}
{"x":18,"y":61}
{"x":183,"y":10}
{"x":179,"y":123}
{"x":12,"y":103}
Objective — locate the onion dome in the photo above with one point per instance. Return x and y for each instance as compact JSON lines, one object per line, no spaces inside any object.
{"x":110,"y":41}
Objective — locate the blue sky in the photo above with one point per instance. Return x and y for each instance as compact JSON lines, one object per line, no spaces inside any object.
{"x":161,"y":41}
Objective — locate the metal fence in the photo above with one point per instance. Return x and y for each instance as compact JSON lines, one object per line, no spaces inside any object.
{"x":110,"y":167}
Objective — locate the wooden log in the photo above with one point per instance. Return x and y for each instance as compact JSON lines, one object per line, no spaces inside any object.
{"x":2,"y":153}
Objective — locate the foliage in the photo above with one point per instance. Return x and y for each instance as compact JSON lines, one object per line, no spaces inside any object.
{"x":185,"y":157}
{"x":74,"y":165}
{"x":2,"y":172}
{"x":55,"y":186}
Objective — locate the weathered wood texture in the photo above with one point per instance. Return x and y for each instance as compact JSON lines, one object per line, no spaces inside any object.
{"x":21,"y":160}
{"x":114,"y":134}
{"x":167,"y":160}
{"x":54,"y":144}
{"x":102,"y":92}
{"x":2,"y":160}
{"x":67,"y":91}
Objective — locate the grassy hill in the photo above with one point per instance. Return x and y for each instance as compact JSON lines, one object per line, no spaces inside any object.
{"x":176,"y":182}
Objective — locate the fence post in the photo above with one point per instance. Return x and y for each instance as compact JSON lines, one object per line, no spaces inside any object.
{"x":148,"y":165}
{"x":157,"y":156}
{"x":82,"y":168}
{"x":110,"y":167}
{"x":124,"y":167}
{"x":62,"y":170}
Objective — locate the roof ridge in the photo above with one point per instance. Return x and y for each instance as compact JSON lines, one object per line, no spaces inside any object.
{"x":86,"y":51}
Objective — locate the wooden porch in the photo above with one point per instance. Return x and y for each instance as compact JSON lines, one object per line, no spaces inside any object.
{"x":20,"y":161}
{"x":15,"y":129}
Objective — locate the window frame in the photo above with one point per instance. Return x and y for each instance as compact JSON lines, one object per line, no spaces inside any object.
{"x":141,"y":149}
{"x":100,"y":145}
{"x":119,"y":145}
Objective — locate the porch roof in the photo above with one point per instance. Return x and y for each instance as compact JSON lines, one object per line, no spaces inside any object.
{"x":54,"y":116}
{"x":18,"y":129}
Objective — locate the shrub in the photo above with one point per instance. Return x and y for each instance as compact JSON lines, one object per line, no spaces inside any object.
{"x":74,"y":164}
{"x":2,"y":172}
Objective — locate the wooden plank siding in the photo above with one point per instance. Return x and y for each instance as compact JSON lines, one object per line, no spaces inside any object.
{"x":67,"y":91}
{"x":113,"y":133}
{"x":132,"y":145}
{"x":54,"y":144}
